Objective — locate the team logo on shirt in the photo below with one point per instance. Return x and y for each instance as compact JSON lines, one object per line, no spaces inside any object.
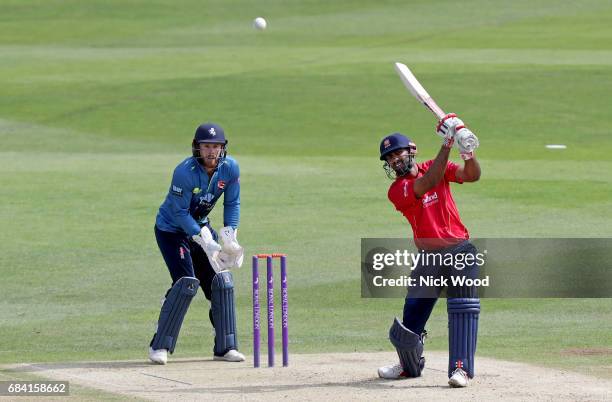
{"x":430,"y":199}
{"x":177,"y":190}
{"x":207,"y":198}
{"x":221,"y":184}
{"x":182,"y":253}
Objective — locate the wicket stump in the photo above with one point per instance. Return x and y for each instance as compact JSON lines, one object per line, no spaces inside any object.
{"x":270,"y":305}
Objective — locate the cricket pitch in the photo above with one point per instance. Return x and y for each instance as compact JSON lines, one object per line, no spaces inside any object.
{"x":349,"y":376}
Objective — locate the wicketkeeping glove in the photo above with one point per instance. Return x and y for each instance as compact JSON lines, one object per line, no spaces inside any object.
{"x":232,"y":253}
{"x":210,"y":247}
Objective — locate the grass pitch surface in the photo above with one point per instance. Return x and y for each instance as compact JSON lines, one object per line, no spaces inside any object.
{"x":99,"y":102}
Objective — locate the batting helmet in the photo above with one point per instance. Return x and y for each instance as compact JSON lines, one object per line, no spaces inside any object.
{"x":394,"y":142}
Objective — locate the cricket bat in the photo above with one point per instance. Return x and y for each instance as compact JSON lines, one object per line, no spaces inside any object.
{"x":468,"y":141}
{"x":417,"y":90}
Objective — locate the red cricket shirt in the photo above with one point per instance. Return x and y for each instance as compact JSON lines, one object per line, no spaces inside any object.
{"x":434,"y":217}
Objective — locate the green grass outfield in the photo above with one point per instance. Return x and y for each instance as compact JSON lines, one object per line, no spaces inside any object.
{"x":99,"y":101}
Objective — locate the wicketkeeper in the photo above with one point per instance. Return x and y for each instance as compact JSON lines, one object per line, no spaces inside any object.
{"x":421,"y":192}
{"x":190,"y":246}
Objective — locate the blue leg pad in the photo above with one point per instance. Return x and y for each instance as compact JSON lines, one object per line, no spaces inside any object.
{"x":409,"y":348}
{"x":173,"y":311}
{"x":462,"y":333}
{"x":224,"y":313}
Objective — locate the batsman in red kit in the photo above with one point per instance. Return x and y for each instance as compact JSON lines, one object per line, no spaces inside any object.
{"x":422,"y":193}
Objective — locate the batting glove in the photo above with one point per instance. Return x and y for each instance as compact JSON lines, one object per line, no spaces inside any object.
{"x":447,"y":127}
{"x":467,"y":142}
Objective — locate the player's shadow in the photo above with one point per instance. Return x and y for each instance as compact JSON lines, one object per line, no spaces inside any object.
{"x":34,"y":367}
{"x":371,"y":384}
{"x":37,"y":367}
{"x":364,"y":384}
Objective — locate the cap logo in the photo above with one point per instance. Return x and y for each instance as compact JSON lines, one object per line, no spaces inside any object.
{"x":211,"y":131}
{"x":386,"y":143}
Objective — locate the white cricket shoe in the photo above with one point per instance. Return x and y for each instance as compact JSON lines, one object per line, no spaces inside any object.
{"x":458,"y":379}
{"x":231,"y":356}
{"x":391,"y":372}
{"x":159,"y":356}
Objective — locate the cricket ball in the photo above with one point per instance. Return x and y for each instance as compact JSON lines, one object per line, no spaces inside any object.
{"x":260,"y":23}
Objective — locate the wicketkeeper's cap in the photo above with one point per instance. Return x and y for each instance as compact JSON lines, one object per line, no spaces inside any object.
{"x":209,"y":133}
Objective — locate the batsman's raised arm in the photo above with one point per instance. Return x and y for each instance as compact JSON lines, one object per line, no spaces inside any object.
{"x":432,"y":177}
{"x":467,"y":142}
{"x":470,"y":172}
{"x":447,"y":128}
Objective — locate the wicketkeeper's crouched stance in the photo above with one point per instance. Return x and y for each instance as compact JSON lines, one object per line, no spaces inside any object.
{"x":421,"y":192}
{"x":190,"y":246}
